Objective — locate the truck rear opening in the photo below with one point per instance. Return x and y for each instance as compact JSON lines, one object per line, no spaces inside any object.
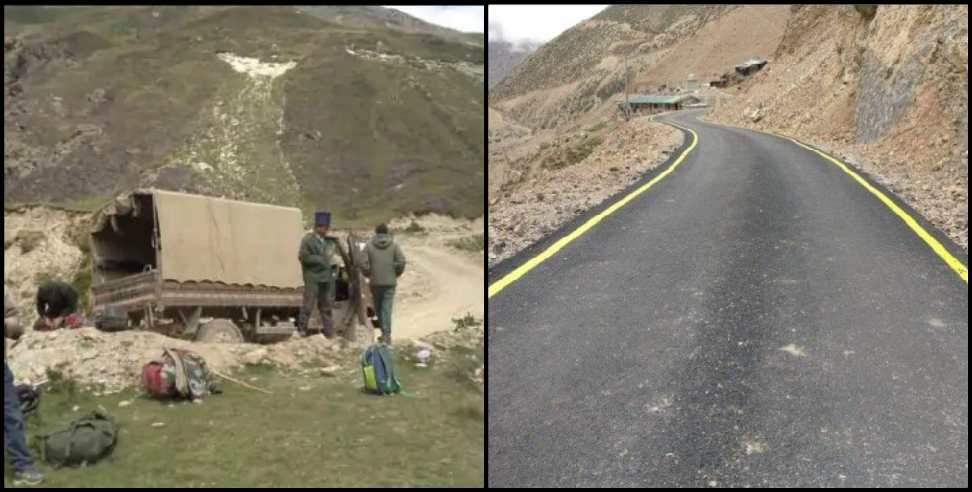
{"x":124,"y":244}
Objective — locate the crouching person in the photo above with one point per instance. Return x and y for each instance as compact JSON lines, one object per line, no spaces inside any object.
{"x":57,"y":305}
{"x":14,"y":435}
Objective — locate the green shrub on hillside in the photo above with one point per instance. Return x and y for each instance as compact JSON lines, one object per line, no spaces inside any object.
{"x":866,"y":11}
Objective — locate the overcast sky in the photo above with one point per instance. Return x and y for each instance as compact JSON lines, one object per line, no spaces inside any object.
{"x":518,"y":23}
{"x":465,"y":18}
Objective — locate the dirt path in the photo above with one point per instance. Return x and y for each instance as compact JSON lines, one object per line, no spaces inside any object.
{"x":448,"y":285}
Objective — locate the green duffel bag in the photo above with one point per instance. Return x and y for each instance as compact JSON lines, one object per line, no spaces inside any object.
{"x":85,"y":441}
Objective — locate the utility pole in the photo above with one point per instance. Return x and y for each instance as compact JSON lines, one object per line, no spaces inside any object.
{"x":627,"y":107}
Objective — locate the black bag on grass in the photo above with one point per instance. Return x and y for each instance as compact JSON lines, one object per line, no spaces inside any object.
{"x":85,"y":441}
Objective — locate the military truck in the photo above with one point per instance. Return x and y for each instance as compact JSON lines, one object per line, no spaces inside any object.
{"x":212,"y":269}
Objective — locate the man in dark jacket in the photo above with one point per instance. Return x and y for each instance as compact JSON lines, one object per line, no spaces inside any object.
{"x":57,"y":305}
{"x":14,"y":435}
{"x":385,"y":264}
{"x":314,"y":255}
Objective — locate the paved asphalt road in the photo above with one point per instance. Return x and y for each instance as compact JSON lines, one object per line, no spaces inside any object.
{"x":756,"y":318}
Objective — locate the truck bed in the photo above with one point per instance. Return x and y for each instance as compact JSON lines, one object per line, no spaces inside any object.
{"x":133,"y":292}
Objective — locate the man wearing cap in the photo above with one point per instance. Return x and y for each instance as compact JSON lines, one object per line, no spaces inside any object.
{"x":314,"y":255}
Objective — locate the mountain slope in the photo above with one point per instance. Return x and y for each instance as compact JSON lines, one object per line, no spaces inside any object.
{"x":580,"y":70}
{"x":260,"y":103}
{"x":750,"y":31}
{"x":383,"y":18}
{"x":618,"y":30}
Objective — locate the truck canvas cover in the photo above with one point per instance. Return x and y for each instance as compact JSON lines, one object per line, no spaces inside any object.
{"x":202,"y":239}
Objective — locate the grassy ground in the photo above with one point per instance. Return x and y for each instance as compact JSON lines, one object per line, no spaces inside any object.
{"x":313,"y":432}
{"x":89,"y":203}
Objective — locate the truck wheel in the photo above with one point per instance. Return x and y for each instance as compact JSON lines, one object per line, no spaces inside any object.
{"x":219,"y":331}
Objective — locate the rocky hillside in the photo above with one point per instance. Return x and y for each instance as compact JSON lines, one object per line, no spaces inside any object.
{"x":583,"y":67}
{"x":272,"y":104}
{"x":582,"y":70}
{"x":574,"y":82}
{"x":886,"y":90}
{"x":576,"y":171}
{"x":503,"y":56}
{"x":42,"y":243}
{"x":751,"y":31}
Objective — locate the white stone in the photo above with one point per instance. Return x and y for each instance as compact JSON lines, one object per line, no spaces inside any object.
{"x":330,"y":371}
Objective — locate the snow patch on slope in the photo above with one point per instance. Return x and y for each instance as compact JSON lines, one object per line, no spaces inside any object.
{"x":254,"y":67}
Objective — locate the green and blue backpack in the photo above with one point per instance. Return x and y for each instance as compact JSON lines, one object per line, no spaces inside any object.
{"x":378,"y":367}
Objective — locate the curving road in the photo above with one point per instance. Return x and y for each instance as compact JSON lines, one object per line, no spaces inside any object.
{"x":756,"y":318}
{"x":451,"y":286}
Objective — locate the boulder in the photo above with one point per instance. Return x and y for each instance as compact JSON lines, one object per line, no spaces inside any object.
{"x":255,"y":357}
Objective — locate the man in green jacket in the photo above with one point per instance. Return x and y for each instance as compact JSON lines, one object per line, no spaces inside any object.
{"x":385,"y":264}
{"x":314,"y":255}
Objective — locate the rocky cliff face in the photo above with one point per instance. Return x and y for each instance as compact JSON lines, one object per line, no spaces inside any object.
{"x":904,"y":52}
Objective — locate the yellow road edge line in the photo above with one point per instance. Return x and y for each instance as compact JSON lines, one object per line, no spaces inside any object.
{"x":532,"y":263}
{"x":936,"y":246}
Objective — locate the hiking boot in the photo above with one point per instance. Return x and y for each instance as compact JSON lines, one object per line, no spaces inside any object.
{"x":28,"y":477}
